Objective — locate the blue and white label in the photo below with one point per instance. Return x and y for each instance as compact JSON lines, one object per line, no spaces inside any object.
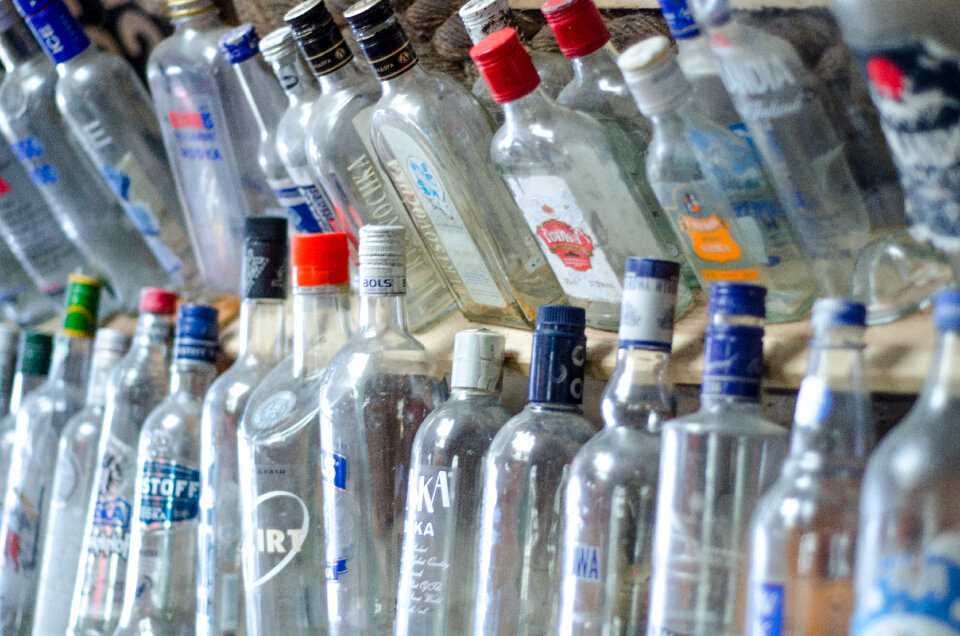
{"x":586,"y":563}
{"x":112,"y":513}
{"x":336,"y":569}
{"x":646,"y":312}
{"x":733,"y":362}
{"x":169,"y":493}
{"x":679,"y":19}
{"x":321,"y":207}
{"x":767,"y":614}
{"x":376,"y":280}
{"x":58,"y":32}
{"x":334,"y":470}
{"x":195,"y":349}
{"x":298,"y":211}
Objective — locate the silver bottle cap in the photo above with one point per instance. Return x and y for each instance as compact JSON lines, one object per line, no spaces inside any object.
{"x":653,"y":75}
{"x":477,"y":360}
{"x":277,"y":43}
{"x":111,"y":340}
{"x":483,"y":17}
{"x":382,"y":260}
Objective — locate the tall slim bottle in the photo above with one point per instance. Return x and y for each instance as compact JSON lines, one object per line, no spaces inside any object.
{"x":279,"y":451}
{"x":136,"y":385}
{"x":714,"y":466}
{"x":610,"y":498}
{"x":439,"y":559}
{"x":161,"y":594}
{"x":40,"y":421}
{"x":525,"y":474}
{"x":261,"y":346}
{"x":803,"y":534}
{"x":9,"y":337}
{"x":429,"y":134}
{"x":72,"y":484}
{"x":375,"y":394}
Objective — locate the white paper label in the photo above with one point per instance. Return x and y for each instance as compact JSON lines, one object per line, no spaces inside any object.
{"x":382,"y":281}
{"x":646,"y":311}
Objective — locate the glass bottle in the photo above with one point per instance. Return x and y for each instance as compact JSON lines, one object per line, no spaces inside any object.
{"x":714,"y":466}
{"x":136,"y":385}
{"x":431,"y":136}
{"x":525,"y":474}
{"x":161,"y":594}
{"x":714,"y":190}
{"x":610,"y":497}
{"x":72,"y":485}
{"x":9,"y":336}
{"x":804,"y":530}
{"x":261,"y":345}
{"x":585,"y":211}
{"x":439,"y":555}
{"x":279,"y":451}
{"x":343,"y":160}
{"x":374,"y":396}
{"x":40,"y":420}
{"x":117,"y":130}
{"x":21,"y":301}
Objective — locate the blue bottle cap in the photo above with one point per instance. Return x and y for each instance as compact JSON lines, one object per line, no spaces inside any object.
{"x":679,"y":19}
{"x":946,"y":310}
{"x":732,"y":362}
{"x":558,"y":355}
{"x":240,"y":44}
{"x":27,"y":8}
{"x":564,"y":319}
{"x":196,"y":333}
{"x":652,"y":268}
{"x":838,"y":312}
{"x":737,"y":299}
{"x":58,"y":32}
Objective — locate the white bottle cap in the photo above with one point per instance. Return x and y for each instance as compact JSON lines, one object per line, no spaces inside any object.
{"x":477,"y":360}
{"x":653,"y":75}
{"x":111,"y":340}
{"x":483,"y":17}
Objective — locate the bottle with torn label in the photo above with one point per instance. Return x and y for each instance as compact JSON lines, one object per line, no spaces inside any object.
{"x":713,"y":189}
{"x":439,"y":559}
{"x":279,"y":451}
{"x":261,"y":345}
{"x":374,"y":396}
{"x":136,"y":385}
{"x":73,"y":482}
{"x":432,"y":136}
{"x":40,"y":421}
{"x":582,"y":207}
{"x":161,"y":590}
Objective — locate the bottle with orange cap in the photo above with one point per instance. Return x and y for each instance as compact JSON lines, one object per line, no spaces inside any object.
{"x":279,"y":450}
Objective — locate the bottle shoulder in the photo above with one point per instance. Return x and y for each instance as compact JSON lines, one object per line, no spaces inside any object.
{"x":226,"y":393}
{"x":541,"y":432}
{"x":83,"y":427}
{"x":280,"y":404}
{"x":726,"y":423}
{"x":189,"y":46}
{"x":560,"y":137}
{"x":618,"y":455}
{"x":457,"y":421}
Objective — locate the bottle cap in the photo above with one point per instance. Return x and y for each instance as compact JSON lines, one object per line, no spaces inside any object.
{"x":946,"y":310}
{"x":27,"y":8}
{"x":277,"y":43}
{"x":679,"y":19}
{"x":737,"y":299}
{"x":184,"y":8}
{"x":651,"y":71}
{"x":485,"y":17}
{"x":838,"y":312}
{"x":477,"y":360}
{"x":265,"y":257}
{"x":35,"y":351}
{"x":154,"y":300}
{"x":577,"y":26}
{"x":59,"y":33}
{"x":383,"y":260}
{"x":649,"y":303}
{"x":732,"y":362}
{"x":318,"y":36}
{"x":83,"y":301}
{"x":319,"y":259}
{"x":558,"y":355}
{"x":505,"y":65}
{"x":111,"y":340}
{"x":240,"y":43}
{"x":380,"y":36}
{"x":196,"y":333}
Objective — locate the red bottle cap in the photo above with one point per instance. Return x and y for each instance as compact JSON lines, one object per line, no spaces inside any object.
{"x":319,"y":259}
{"x":505,"y":65}
{"x":154,"y":300}
{"x":577,"y":26}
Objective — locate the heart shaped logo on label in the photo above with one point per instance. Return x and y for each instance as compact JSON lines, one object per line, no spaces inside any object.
{"x":274,"y":534}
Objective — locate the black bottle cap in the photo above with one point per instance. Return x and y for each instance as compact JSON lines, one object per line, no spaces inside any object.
{"x":265,"y":258}
{"x":318,"y":37}
{"x":379,"y":34}
{"x":266,"y":228}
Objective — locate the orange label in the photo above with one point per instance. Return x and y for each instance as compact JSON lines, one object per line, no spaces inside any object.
{"x":711,"y":238}
{"x":730,"y":274}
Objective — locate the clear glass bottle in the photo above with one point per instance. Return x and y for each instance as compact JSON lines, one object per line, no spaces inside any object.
{"x":585,"y":211}
{"x":610,"y":497}
{"x":429,"y":133}
{"x":803,"y":533}
{"x":118,"y":131}
{"x":714,"y":190}
{"x":161,"y":594}
{"x":261,"y":345}
{"x":9,"y":336}
{"x":137,"y":384}
{"x":72,"y":484}
{"x":525,"y":474}
{"x":343,"y":160}
{"x":374,"y":396}
{"x":21,"y":301}
{"x":40,"y":420}
{"x":714,"y":466}
{"x":439,"y":557}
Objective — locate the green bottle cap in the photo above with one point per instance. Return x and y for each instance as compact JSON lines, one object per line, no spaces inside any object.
{"x":35,"y":351}
{"x":83,"y":300}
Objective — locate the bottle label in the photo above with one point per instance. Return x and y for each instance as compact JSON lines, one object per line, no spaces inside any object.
{"x":347,"y":514}
{"x":679,"y":19}
{"x":22,"y":543}
{"x":169,"y":493}
{"x":58,"y":32}
{"x":585,"y":564}
{"x":298,"y":210}
{"x":647,"y":312}
{"x":916,"y":90}
{"x":438,"y":220}
{"x":281,"y":526}
{"x":733,"y":361}
{"x":575,"y":256}
{"x":29,"y":152}
{"x":767,"y":616}
{"x":382,"y":281}
{"x":325,"y":50}
{"x":264,"y":270}
{"x":321,"y":207}
{"x":814,"y":401}
{"x":751,"y":80}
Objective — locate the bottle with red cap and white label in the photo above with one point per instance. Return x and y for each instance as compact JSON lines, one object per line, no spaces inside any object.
{"x":584,"y":210}
{"x":279,"y":451}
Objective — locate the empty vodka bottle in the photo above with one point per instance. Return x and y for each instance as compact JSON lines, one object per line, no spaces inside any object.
{"x":525,"y":474}
{"x":261,"y":343}
{"x":439,"y":561}
{"x":714,"y":466}
{"x":803,"y":534}
{"x":72,"y":484}
{"x":714,"y":190}
{"x":464,"y":212}
{"x":136,"y":385}
{"x":161,"y":594}
{"x":279,"y":444}
{"x":610,"y":498}
{"x":374,"y":396}
{"x":117,"y":130}
{"x":343,"y":160}
{"x":583,"y":208}
{"x":21,"y":301}
{"x":40,"y":421}
{"x":9,"y":336}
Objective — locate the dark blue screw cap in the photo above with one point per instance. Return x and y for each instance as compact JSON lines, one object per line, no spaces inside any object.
{"x":946,"y":310}
{"x":838,"y":312}
{"x":196,"y":333}
{"x":240,"y":44}
{"x":652,"y":268}
{"x":561,"y":318}
{"x":737,"y":299}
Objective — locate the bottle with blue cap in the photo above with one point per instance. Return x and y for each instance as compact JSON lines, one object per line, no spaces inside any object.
{"x":907,"y":573}
{"x":714,"y":466}
{"x":161,"y":581}
{"x":803,"y":535}
{"x":611,"y":490}
{"x":525,"y":470}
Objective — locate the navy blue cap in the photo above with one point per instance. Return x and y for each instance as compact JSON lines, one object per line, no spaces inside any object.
{"x":196,"y":333}
{"x":679,"y":19}
{"x":27,"y":8}
{"x":558,"y":355}
{"x":562,"y":318}
{"x":652,"y":268}
{"x":240,"y":44}
{"x":946,"y":310}
{"x":838,"y":312}
{"x":737,"y":299}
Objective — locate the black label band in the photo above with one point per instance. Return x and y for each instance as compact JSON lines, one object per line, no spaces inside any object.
{"x":330,"y":59}
{"x":395,"y":63}
{"x":264,"y":270}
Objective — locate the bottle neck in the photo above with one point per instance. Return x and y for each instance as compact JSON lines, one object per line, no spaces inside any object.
{"x":640,"y":378}
{"x":191,"y":378}
{"x":23,"y":383}
{"x":294,"y":77}
{"x":334,"y":80}
{"x":318,"y":314}
{"x":153,"y":331}
{"x":262,"y":329}
{"x":382,"y":314}
{"x":943,"y":379}
{"x":672,"y":118}
{"x":17,"y":45}
{"x":404,"y":81}
{"x":535,"y":105}
{"x":473,"y":394}
{"x":599,"y":66}
{"x":246,"y":72}
{"x":206,"y":20}
{"x":100,"y":369}
{"x":64,"y":68}
{"x":70,"y":363}
{"x":732,"y":362}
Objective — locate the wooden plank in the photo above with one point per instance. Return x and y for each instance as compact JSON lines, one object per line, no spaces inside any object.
{"x":652,"y":4}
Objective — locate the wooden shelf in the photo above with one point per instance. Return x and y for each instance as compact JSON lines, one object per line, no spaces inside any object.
{"x":652,"y":4}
